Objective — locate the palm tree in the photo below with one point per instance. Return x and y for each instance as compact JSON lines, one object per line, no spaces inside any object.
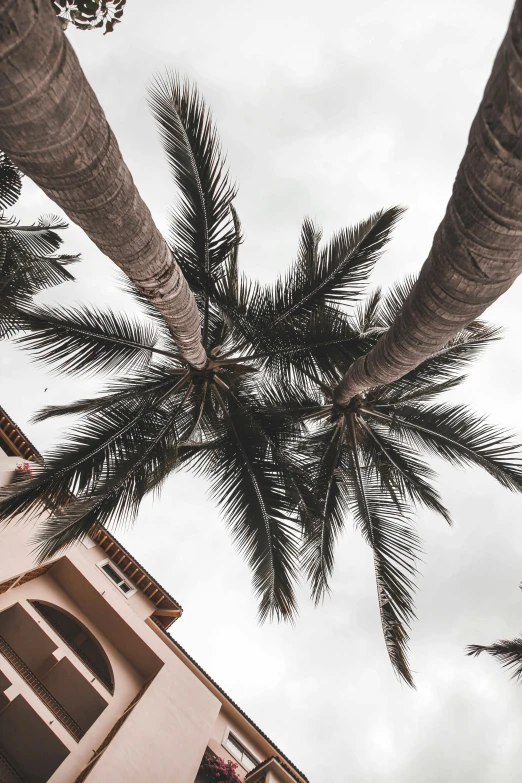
{"x":28,"y":262}
{"x":162,"y":413}
{"x":55,"y":131}
{"x":477,"y":251}
{"x":283,"y":463}
{"x":368,"y":460}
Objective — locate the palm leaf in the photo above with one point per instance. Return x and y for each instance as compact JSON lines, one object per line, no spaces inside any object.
{"x":10,"y":182}
{"x":507,"y":652}
{"x":145,"y":387}
{"x":86,"y":340}
{"x":90,"y":452}
{"x":395,"y":548}
{"x":341,"y":270}
{"x":326,"y":451}
{"x":203,"y":231}
{"x":401,"y":470}
{"x":39,"y":239}
{"x":459,"y":436}
{"x":446,"y":366}
{"x":251,"y":488}
{"x":117,"y":495}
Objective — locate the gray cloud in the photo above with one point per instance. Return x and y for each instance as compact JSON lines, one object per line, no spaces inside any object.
{"x":332,"y":112}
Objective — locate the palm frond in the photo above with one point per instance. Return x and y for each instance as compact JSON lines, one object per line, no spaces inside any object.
{"x":10,"y":182}
{"x":446,"y":366}
{"x":146,"y":387}
{"x":341,"y":270}
{"x":308,"y":256}
{"x":327,"y":523}
{"x":118,"y":492}
{"x":366,"y":314}
{"x":401,"y":471}
{"x":392,"y":301}
{"x":203,"y":230}
{"x":459,"y":436}
{"x":507,"y":652}
{"x":319,"y":349}
{"x":395,"y":548}
{"x":22,"y":275}
{"x":89,"y":454}
{"x":85,"y":340}
{"x":250,"y":486}
{"x":39,"y":239}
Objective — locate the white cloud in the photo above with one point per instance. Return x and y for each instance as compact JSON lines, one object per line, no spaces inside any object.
{"x":334,"y":111}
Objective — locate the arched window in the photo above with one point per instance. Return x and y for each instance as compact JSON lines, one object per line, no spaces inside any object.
{"x":79,"y":639}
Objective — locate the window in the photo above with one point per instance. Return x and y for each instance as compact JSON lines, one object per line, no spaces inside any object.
{"x":240,"y":752}
{"x":117,"y":578}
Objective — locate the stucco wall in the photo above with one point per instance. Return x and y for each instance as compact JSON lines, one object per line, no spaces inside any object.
{"x":226,"y":721}
{"x":168,"y":732}
{"x":127,"y":680}
{"x":165,"y":736}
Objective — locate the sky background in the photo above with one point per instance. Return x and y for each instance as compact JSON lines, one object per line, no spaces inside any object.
{"x":332,"y":111}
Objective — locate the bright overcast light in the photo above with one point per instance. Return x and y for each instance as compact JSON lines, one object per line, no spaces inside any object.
{"x":332,"y":110}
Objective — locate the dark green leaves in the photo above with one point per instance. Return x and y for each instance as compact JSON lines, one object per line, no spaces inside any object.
{"x":348,"y":480}
{"x":248,"y":481}
{"x":10,"y":182}
{"x":507,"y":652}
{"x":203,"y":228}
{"x":387,"y":529}
{"x":286,"y":467}
{"x":337,"y":274}
{"x":86,"y":340}
{"x":27,"y":261}
{"x":459,"y":436}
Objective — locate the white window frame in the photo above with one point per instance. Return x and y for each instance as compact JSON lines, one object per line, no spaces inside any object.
{"x":109,"y":562}
{"x":248,"y":749}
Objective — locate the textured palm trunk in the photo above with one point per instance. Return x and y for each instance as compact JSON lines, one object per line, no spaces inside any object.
{"x":477,"y":250}
{"x":53,"y":128}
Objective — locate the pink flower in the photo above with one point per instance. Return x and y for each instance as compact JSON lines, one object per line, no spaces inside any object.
{"x":24,"y":468}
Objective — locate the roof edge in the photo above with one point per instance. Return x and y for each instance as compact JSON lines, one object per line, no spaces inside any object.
{"x":15,"y":440}
{"x":296,"y":773}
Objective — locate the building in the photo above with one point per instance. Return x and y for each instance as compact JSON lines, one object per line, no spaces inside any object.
{"x":92,"y":685}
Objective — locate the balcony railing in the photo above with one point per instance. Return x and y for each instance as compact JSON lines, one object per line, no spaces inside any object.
{"x":41,"y":691}
{"x":50,"y":617}
{"x":8,"y":773}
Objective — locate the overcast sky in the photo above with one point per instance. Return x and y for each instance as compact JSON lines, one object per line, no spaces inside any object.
{"x":332,"y":111}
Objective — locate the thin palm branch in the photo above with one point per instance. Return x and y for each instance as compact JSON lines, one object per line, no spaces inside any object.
{"x":507,"y":652}
{"x":395,"y":547}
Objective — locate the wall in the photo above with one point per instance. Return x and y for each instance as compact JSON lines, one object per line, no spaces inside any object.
{"x":243,"y":732}
{"x":165,"y":736}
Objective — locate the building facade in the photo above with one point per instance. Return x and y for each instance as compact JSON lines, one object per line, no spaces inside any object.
{"x":92,"y":685}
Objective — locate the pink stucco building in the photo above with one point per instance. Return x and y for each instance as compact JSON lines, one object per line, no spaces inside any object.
{"x":92,"y":685}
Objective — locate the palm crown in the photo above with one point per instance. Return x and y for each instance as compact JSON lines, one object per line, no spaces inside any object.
{"x":285,"y":464}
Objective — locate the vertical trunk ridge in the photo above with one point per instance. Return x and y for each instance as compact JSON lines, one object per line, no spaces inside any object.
{"x":477,"y":250}
{"x":54,"y":129}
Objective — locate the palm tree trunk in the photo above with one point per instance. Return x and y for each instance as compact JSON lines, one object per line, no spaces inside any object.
{"x":53,"y":128}
{"x":477,"y":250}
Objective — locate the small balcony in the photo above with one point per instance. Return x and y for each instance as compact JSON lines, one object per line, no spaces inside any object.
{"x":30,"y":752}
{"x":72,"y":699}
